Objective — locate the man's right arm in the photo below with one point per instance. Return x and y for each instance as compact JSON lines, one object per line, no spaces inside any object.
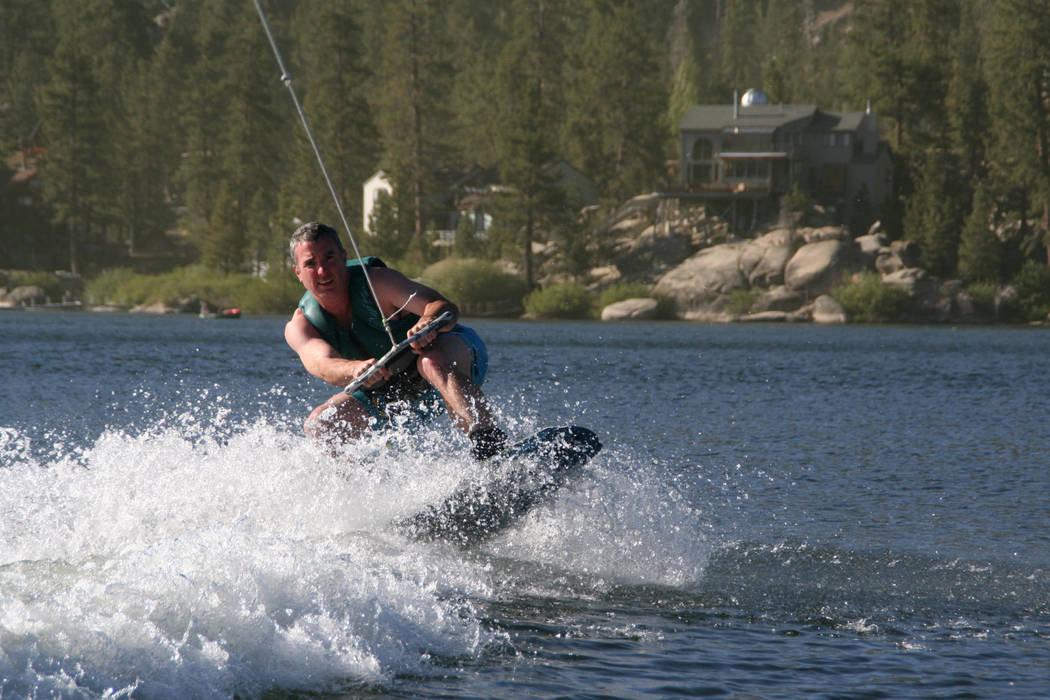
{"x":320,"y":359}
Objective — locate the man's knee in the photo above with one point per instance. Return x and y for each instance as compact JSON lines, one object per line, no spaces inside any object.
{"x":340,"y":414}
{"x":314,"y":426}
{"x":435,"y":367}
{"x":449,"y":356}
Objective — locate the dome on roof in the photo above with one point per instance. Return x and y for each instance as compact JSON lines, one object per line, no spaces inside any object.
{"x":752,"y":97}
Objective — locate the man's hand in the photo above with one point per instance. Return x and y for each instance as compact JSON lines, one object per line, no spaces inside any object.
{"x":427,"y":318}
{"x":381,"y":374}
{"x":421,"y":344}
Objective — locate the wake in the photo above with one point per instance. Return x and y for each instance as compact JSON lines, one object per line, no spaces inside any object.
{"x":215,"y":558}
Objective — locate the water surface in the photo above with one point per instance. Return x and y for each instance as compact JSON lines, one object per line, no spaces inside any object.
{"x":780,"y":511}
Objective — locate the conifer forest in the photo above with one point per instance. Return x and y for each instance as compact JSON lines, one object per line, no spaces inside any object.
{"x":152,"y":134}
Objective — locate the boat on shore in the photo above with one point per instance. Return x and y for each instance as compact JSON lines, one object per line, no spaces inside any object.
{"x":230,"y":313}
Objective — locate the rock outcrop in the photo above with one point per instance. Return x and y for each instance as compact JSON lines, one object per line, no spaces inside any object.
{"x":762,"y":260}
{"x":784,"y":274}
{"x":816,"y":267}
{"x":786,"y":269}
{"x":631,"y":309}
{"x":827,"y":310}
{"x":157,"y":307}
{"x":704,"y":281}
{"x":28,"y":295}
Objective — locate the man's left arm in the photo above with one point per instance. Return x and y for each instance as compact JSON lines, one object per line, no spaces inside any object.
{"x":397,"y":291}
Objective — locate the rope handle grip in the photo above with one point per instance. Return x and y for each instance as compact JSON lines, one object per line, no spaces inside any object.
{"x":397,"y":350}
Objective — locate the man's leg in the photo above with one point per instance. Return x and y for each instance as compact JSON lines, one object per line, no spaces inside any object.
{"x":446,"y":365}
{"x":340,"y":418}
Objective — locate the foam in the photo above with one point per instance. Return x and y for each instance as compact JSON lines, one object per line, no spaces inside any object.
{"x":202,"y":557}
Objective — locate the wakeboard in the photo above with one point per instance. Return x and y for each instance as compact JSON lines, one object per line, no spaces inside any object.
{"x":523,"y":477}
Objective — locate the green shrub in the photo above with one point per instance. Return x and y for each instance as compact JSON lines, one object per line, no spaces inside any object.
{"x":568,"y":300}
{"x":1033,"y":290}
{"x":473,"y":281}
{"x":868,"y":300}
{"x":120,"y":286}
{"x":623,"y":290}
{"x":795,"y":200}
{"x":741,"y":300}
{"x":983,"y":296}
{"x":278,"y":293}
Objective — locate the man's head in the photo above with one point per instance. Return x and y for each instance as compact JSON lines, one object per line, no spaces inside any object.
{"x":311,"y":232}
{"x":320,"y":263}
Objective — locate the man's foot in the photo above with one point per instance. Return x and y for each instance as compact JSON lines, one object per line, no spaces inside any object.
{"x":487,"y":442}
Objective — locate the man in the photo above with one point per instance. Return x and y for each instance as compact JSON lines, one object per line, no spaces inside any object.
{"x":338,"y":333}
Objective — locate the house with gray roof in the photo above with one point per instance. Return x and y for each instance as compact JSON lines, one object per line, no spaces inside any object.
{"x":744,"y":156}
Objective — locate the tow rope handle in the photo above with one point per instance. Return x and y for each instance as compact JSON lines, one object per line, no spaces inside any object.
{"x":395,"y":351}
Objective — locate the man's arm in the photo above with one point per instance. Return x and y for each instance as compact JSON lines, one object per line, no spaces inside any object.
{"x":320,"y":359}
{"x":397,"y":291}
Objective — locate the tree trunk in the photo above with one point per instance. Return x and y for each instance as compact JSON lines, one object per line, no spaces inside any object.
{"x":529,"y":222}
{"x":1046,"y":230}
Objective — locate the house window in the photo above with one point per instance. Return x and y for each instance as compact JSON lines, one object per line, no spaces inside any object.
{"x":482,"y":221}
{"x":835,"y":140}
{"x":751,"y":168}
{"x":702,"y":150}
{"x":703,"y":168}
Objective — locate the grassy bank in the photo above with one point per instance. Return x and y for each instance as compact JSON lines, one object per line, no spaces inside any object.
{"x":278,"y":292}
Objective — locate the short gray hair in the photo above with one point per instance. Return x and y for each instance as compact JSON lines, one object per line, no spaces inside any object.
{"x":311,"y":232}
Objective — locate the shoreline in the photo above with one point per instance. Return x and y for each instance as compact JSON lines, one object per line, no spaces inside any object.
{"x":724,"y":319}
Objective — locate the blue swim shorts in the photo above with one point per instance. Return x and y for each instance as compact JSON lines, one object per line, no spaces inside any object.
{"x":430,"y":403}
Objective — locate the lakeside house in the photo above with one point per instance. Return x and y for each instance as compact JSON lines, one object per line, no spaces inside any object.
{"x":470,"y":194}
{"x":372,"y":190}
{"x":740,"y":159}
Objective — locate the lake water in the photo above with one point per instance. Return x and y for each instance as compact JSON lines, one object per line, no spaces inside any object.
{"x":779,"y":511}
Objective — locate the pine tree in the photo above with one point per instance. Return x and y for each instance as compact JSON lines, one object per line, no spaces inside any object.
{"x":614,"y":102}
{"x":740,"y":63}
{"x":203,"y":108}
{"x":144,"y":155}
{"x":225,"y":245}
{"x":413,"y":118}
{"x":467,"y":244}
{"x":1018,"y":63}
{"x":827,"y":71}
{"x":335,"y":77}
{"x":72,"y":106}
{"x":782,"y":49}
{"x":685,"y":72}
{"x":934,"y":214}
{"x":477,"y":30}
{"x":685,"y":93}
{"x":27,"y":38}
{"x":934,"y":26}
{"x":390,"y":237}
{"x":529,"y":71}
{"x":248,"y":155}
{"x":899,"y":50}
{"x":899,"y":55}
{"x":967,"y":99}
{"x":980,"y":253}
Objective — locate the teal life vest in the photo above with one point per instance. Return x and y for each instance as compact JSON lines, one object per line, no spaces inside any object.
{"x":366,"y":327}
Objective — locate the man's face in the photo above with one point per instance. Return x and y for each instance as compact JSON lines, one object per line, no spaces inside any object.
{"x":321,"y":267}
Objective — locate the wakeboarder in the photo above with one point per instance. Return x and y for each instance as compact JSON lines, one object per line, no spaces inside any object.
{"x":339,"y":331}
